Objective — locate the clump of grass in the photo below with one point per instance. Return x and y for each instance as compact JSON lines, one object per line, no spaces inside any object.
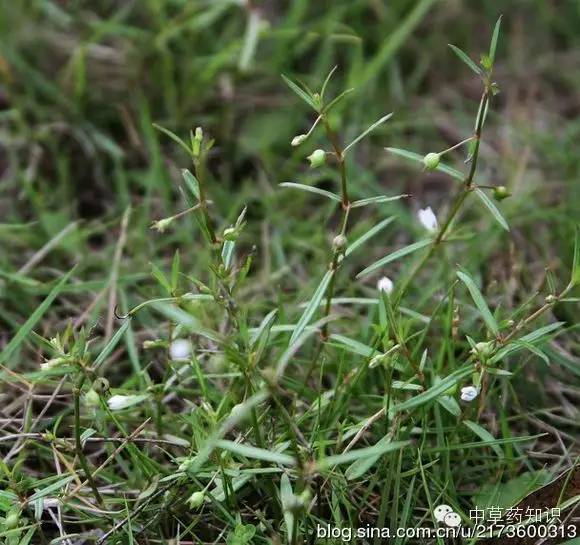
{"x":250,"y":417}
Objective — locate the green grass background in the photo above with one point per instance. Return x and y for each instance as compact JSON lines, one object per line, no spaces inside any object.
{"x":81,"y":84}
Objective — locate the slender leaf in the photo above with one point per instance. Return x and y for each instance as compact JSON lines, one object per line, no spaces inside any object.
{"x":484,"y":435}
{"x":300,"y":92}
{"x":369,"y":234}
{"x":369,"y":130}
{"x":435,"y":391}
{"x":377,"y":200}
{"x":492,"y":208}
{"x":191,"y":182}
{"x":312,"y":189}
{"x":173,"y":137}
{"x":494,"y":39}
{"x":576,"y":261}
{"x":395,"y":255}
{"x":110,"y":346}
{"x":378,"y":449}
{"x":286,"y":499}
{"x":312,"y":306}
{"x":479,"y":302}
{"x":248,"y":451}
{"x":454,"y":173}
{"x":465,"y":58}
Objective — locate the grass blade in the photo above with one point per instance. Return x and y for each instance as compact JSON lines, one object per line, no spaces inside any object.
{"x":435,"y":391}
{"x":248,"y":451}
{"x":110,"y":346}
{"x":479,"y":302}
{"x":26,"y":328}
{"x":378,"y":449}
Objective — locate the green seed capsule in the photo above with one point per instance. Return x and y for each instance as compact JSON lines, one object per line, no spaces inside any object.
{"x":196,"y":500}
{"x":92,"y":399}
{"x":317,"y":158}
{"x":339,"y":243}
{"x":431,"y":161}
{"x":500,"y":193}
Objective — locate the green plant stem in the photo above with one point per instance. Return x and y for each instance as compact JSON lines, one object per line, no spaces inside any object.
{"x":198,"y":169}
{"x":78,"y":444}
{"x":467,"y":187}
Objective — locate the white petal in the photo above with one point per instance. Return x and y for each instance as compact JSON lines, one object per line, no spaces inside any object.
{"x":428,"y":219}
{"x":180,"y":349}
{"x":469,"y":393}
{"x":120,"y":402}
{"x":385,"y":284}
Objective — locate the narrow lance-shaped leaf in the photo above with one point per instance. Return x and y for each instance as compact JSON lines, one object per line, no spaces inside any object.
{"x":576,"y":261}
{"x":369,"y":130}
{"x":369,"y":234}
{"x":435,"y":391}
{"x":412,"y":156}
{"x":479,"y":302}
{"x":377,"y":200}
{"x":494,"y":39}
{"x":358,"y":454}
{"x":249,"y":451}
{"x":300,"y":92}
{"x":312,"y":306}
{"x":286,"y":497}
{"x":312,"y":189}
{"x":395,"y":255}
{"x":485,"y":436}
{"x":465,"y":58}
{"x":191,"y":182}
{"x":173,"y":137}
{"x":492,"y":208}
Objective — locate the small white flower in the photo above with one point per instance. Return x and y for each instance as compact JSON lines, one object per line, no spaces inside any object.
{"x":469,"y":393}
{"x":54,"y":362}
{"x":180,"y":349}
{"x":120,"y":402}
{"x":385,"y":284}
{"x":428,"y":219}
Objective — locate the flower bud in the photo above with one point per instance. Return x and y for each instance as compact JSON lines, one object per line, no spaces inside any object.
{"x":431,"y":161}
{"x":317,"y":158}
{"x":196,"y":144}
{"x":339,"y":243}
{"x":500,"y":193}
{"x":483,"y":349}
{"x":377,"y":360}
{"x":162,"y":225}
{"x":196,"y":500}
{"x":230,"y":233}
{"x":11,"y":520}
{"x":101,"y":385}
{"x":297,"y":140}
{"x":550,"y":299}
{"x":92,"y":399}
